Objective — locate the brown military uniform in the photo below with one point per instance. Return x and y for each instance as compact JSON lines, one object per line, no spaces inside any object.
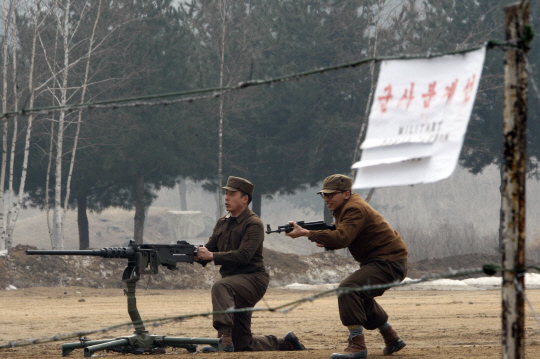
{"x":379,"y":249}
{"x":237,"y":245}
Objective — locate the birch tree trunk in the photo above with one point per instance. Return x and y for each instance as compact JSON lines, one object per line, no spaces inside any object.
{"x":223,"y":11}
{"x":52,"y":231}
{"x":58,"y":212}
{"x":16,"y":210}
{"x":50,"y":226}
{"x":8,"y":7}
{"x":76,"y":140}
{"x":14,"y":35}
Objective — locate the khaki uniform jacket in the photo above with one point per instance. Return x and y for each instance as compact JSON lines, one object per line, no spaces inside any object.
{"x":364,"y":231}
{"x":237,"y":244}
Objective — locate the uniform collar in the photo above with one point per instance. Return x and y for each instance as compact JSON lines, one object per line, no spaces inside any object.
{"x":338,"y":211}
{"x":241,"y":216}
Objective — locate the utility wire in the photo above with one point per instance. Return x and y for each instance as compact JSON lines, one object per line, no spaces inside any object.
{"x":489,"y":269}
{"x":218,"y":91}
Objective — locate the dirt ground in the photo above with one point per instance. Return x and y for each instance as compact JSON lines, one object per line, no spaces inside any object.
{"x":435,"y":324}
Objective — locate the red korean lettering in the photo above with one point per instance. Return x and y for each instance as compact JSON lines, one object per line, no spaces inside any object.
{"x":407,"y":97}
{"x":450,"y":91}
{"x":430,"y":94}
{"x":386,"y":98}
{"x":468,"y":88}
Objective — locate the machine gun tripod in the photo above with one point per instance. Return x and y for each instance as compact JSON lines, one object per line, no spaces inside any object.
{"x":142,"y":259}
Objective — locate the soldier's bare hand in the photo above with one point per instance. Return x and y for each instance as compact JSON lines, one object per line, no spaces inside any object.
{"x":204,"y":254}
{"x":297,"y":231}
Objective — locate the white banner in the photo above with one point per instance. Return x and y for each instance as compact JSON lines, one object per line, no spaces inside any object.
{"x":418,"y":120}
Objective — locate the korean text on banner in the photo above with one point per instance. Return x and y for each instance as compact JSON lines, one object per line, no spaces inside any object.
{"x":418,"y":120}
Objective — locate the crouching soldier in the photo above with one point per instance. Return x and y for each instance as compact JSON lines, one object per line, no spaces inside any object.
{"x":237,"y":245}
{"x":383,"y":259}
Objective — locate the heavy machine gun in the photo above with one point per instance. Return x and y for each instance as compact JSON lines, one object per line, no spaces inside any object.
{"x":142,"y":259}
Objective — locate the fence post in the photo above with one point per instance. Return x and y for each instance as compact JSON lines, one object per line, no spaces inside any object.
{"x":513,"y":185}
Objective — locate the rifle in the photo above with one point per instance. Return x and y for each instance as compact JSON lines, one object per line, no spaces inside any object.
{"x":142,"y":259}
{"x":310,"y":226}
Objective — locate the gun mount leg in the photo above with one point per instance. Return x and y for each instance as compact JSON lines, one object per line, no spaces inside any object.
{"x":185,"y":342}
{"x":89,"y":351}
{"x":69,"y":347}
{"x":140,"y":342}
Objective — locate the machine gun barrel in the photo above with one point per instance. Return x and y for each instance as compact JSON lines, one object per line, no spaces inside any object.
{"x":88,"y":252}
{"x":121,"y":252}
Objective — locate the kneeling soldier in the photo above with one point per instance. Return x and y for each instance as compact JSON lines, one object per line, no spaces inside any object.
{"x":237,"y":245}
{"x":383,"y":259}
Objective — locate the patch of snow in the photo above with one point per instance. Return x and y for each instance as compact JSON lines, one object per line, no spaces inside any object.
{"x":314,"y":287}
{"x":532,"y":280}
{"x":444,"y":282}
{"x":11,"y":287}
{"x":3,"y":253}
{"x":484,"y":281}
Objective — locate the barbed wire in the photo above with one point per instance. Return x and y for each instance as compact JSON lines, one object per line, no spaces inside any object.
{"x":521,"y":291}
{"x":187,"y":96}
{"x":489,"y":269}
{"x":532,"y":80}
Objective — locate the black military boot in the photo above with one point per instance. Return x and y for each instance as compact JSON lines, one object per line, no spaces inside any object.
{"x":290,"y":343}
{"x":356,"y":349}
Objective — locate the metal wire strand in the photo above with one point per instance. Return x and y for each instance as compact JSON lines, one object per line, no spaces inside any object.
{"x":284,"y":308}
{"x":216,"y":92}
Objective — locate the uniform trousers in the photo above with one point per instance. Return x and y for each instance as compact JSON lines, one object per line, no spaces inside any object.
{"x":241,"y":291}
{"x":360,"y":308}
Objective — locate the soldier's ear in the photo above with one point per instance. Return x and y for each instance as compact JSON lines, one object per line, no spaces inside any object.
{"x":347,"y":194}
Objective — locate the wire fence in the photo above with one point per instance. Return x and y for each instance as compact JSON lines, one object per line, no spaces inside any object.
{"x":208,"y":93}
{"x":489,"y":269}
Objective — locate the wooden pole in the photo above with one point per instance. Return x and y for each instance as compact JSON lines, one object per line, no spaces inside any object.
{"x":513,"y":186}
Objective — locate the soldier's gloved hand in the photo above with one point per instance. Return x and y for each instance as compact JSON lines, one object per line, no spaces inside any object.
{"x":297,"y":231}
{"x":204,"y":254}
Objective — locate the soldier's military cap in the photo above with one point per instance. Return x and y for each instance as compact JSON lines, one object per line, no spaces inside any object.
{"x":336,"y":183}
{"x":239,"y":184}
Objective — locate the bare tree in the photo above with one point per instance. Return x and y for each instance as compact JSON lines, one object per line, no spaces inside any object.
{"x":15,"y":210}
{"x":9,"y":240}
{"x":8,"y":9}
{"x":223,"y":11}
{"x":79,"y":119}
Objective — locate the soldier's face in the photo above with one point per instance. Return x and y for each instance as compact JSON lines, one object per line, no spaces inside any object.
{"x":235,"y":202}
{"x":336,"y":200}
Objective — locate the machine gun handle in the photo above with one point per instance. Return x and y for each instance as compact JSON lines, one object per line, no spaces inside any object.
{"x":195,"y":259}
